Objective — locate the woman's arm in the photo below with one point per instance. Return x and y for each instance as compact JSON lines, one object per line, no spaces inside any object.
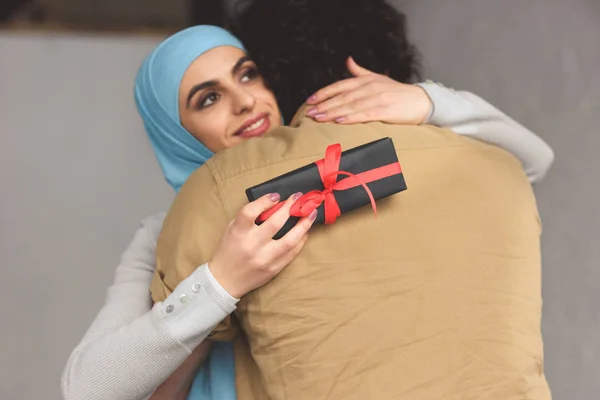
{"x":369,"y":97}
{"x":132,"y":347}
{"x":470,"y":115}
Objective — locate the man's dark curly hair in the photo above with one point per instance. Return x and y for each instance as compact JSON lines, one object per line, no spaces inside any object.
{"x":301,"y":46}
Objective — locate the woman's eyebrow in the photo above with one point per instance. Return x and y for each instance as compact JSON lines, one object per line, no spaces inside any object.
{"x":239,"y":64}
{"x":198,"y":88}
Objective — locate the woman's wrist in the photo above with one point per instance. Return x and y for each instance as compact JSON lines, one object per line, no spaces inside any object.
{"x":222,"y":285}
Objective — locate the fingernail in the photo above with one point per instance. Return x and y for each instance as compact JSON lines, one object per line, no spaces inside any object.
{"x":274,"y":197}
{"x":312,"y":112}
{"x":313,"y":215}
{"x":340,"y":119}
{"x":296,"y":196}
{"x":311,"y":99}
{"x":320,"y":115}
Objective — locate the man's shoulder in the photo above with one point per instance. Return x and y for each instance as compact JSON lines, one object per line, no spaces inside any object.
{"x":287,"y":148}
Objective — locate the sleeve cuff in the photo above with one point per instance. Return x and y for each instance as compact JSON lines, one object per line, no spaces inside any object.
{"x":447,"y":105}
{"x":432,"y":109}
{"x":196,"y":306}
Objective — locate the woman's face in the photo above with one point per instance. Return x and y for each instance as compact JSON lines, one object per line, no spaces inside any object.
{"x":223,"y":99}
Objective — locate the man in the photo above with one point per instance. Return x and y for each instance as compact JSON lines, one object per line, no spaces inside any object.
{"x":438,"y":297}
{"x":299,"y":45}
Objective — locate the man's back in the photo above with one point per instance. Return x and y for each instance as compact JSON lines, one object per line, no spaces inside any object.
{"x":439,"y":297}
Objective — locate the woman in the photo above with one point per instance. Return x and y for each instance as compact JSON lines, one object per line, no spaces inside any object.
{"x":196,"y":87}
{"x":179,"y":117}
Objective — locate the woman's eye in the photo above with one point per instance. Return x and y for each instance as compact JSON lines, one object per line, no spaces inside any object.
{"x":209,"y":100}
{"x":249,"y":75}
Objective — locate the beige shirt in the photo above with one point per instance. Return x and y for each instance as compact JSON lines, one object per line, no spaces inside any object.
{"x":439,"y":297}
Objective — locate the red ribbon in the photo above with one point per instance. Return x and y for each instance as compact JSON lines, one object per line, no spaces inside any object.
{"x":329,"y":171}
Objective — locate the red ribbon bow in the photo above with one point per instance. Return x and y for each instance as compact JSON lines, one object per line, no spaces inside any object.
{"x":329,"y":172}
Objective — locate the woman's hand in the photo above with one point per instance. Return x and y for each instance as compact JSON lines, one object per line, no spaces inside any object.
{"x":248,"y":257}
{"x":370,"y":97}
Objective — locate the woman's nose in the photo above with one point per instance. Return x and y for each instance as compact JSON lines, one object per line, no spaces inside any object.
{"x":244,"y":101}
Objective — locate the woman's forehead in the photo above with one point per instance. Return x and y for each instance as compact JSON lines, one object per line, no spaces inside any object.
{"x":215,"y":63}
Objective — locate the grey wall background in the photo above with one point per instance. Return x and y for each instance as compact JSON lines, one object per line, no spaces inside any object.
{"x":77,"y":174}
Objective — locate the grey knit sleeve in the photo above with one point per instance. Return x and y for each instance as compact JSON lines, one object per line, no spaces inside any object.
{"x":470,"y":115}
{"x":132,"y":346}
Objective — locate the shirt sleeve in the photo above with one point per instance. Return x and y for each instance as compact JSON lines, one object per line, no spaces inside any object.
{"x":470,"y":115}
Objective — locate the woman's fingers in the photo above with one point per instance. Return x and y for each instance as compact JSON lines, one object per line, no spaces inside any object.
{"x":344,"y":110}
{"x":322,"y":111}
{"x":286,"y":258}
{"x":251,"y":211}
{"x":339,"y":87}
{"x":289,"y":241}
{"x":381,"y":100}
{"x":371,"y":114}
{"x":276,"y":221}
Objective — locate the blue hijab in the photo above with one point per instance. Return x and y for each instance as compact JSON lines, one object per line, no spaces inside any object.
{"x":157,"y":99}
{"x":179,"y":154}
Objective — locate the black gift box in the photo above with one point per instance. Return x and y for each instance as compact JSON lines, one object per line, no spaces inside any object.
{"x":370,"y":156}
